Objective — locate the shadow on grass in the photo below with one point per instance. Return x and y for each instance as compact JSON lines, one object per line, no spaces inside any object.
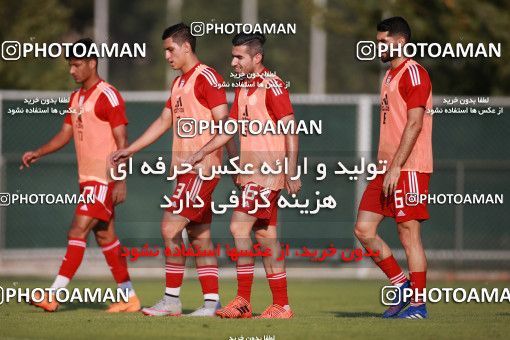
{"x":69,"y":307}
{"x":341,"y":314}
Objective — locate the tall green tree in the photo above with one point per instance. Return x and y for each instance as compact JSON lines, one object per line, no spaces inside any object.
{"x":34,"y":22}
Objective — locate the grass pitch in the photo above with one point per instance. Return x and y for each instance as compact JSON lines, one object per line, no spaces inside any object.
{"x":324,"y":309}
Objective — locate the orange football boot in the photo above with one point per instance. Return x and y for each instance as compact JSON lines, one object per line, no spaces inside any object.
{"x":238,"y":308}
{"x":132,"y":305}
{"x":275,"y":312}
{"x":46,"y":304}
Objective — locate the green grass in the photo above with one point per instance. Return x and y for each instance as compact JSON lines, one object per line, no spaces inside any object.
{"x":324,"y":309}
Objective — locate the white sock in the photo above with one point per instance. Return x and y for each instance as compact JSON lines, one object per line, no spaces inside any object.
{"x":215,"y":297}
{"x":173,"y":291}
{"x":127,"y":285}
{"x":60,"y":282}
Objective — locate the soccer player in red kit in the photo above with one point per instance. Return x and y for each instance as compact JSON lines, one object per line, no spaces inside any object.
{"x":97,"y":120}
{"x":406,"y":144}
{"x":264,"y":99}
{"x":196,"y":95}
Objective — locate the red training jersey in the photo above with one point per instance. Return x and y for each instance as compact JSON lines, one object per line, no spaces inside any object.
{"x":404,"y":88}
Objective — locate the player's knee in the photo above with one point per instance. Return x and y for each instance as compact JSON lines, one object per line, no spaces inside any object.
{"x":201,"y":243}
{"x":238,"y":232}
{"x":235,"y":231}
{"x":264,"y":237}
{"x":264,"y":241}
{"x":77,"y":231}
{"x":104,"y":237}
{"x":268,"y":243}
{"x":170,"y":232}
{"x":363,"y":233}
{"x":174,"y":239}
{"x":196,"y":233}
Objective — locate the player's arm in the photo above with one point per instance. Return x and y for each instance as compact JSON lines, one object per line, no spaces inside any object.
{"x":278,"y":100}
{"x":56,"y":143}
{"x":153,"y":132}
{"x":409,"y":136}
{"x":120,"y":136}
{"x":120,"y":191}
{"x":292,"y":150}
{"x":216,"y":142}
{"x":220,"y":114}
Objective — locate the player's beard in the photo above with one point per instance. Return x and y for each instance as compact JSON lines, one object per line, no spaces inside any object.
{"x":248,"y":69}
{"x":385,"y":57}
{"x":238,"y":69}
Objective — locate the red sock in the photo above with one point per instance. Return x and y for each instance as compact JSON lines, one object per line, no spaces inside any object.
{"x":245,"y":280}
{"x":208,"y":276}
{"x":116,"y":262}
{"x":392,"y":270}
{"x":74,"y":256}
{"x":278,"y":285}
{"x":418,"y":283}
{"x":174,"y":275}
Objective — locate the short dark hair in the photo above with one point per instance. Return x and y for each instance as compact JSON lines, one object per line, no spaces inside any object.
{"x":180,"y":33}
{"x":255,"y":42}
{"x":395,"y":26}
{"x":87,"y":43}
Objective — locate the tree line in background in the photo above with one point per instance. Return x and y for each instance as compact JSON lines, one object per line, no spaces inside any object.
{"x":345,"y":22}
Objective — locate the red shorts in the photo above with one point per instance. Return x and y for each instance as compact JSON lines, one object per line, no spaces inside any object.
{"x":102,"y":208}
{"x":405,"y":203}
{"x":252,"y":193}
{"x":187,"y":188}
